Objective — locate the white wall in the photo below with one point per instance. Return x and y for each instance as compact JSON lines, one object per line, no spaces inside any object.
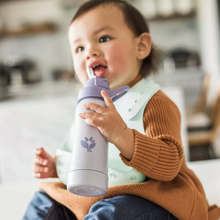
{"x":209,"y":42}
{"x":15,"y":13}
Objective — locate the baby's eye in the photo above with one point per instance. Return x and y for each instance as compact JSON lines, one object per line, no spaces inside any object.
{"x":79,"y":49}
{"x":104,"y":39}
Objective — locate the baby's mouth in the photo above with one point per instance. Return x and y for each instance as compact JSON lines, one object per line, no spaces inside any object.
{"x":99,"y":70}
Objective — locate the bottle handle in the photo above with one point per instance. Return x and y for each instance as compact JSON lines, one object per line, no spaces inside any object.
{"x":117,"y":93}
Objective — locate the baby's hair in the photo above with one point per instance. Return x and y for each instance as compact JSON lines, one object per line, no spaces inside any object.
{"x":136,"y":23}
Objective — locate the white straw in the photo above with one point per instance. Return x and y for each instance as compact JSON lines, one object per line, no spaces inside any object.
{"x":90,"y":73}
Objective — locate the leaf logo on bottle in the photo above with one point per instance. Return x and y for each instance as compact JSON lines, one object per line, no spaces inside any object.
{"x":88,"y":144}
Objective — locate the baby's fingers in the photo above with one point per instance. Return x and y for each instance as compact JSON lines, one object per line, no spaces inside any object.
{"x":41,"y":153}
{"x":40,"y":171}
{"x":40,"y":161}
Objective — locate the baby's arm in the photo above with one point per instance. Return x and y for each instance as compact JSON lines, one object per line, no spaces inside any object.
{"x":158,"y":153}
{"x":44,"y":165}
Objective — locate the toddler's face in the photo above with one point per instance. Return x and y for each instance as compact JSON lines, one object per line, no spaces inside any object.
{"x":101,"y":39}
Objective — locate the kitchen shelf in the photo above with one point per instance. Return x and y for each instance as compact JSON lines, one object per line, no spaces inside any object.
{"x":31,"y":29}
{"x":190,"y":14}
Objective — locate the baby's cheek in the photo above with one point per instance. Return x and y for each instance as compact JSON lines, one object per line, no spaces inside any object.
{"x":80,"y":72}
{"x":120,"y":57}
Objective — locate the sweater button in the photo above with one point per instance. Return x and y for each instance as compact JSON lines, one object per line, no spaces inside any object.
{"x":141,"y":93}
{"x":129,"y":109}
{"x":112,"y":175}
{"x":136,"y":100}
{"x":133,"y":177}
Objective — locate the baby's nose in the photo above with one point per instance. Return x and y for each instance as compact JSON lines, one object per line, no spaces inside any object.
{"x":92,"y":52}
{"x":89,"y":56}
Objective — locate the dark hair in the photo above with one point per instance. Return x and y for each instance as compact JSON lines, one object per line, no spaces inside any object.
{"x":135,"y":21}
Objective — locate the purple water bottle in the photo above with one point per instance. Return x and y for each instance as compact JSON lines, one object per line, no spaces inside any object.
{"x":88,"y":175}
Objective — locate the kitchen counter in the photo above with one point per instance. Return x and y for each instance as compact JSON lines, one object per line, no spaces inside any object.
{"x":45,"y":89}
{"x":43,"y":118}
{"x":190,"y":80}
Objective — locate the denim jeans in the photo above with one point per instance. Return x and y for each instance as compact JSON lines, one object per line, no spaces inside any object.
{"x":43,"y":207}
{"x":123,"y":207}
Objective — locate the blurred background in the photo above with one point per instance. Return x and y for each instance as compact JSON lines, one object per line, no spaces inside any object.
{"x":38,"y":87}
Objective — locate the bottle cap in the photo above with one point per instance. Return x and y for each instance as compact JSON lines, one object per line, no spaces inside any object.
{"x":94,"y":86}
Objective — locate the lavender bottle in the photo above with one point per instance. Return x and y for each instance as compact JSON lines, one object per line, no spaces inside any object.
{"x":88,"y":175}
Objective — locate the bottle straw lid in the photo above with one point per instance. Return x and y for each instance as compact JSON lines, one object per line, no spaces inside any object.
{"x":94,"y":86}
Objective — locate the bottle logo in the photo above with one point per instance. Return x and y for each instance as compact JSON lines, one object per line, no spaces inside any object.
{"x":88,"y":144}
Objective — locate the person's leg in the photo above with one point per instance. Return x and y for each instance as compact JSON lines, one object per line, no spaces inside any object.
{"x":127,"y":207}
{"x":43,"y":207}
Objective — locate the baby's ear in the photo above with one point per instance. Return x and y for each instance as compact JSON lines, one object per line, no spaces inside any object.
{"x":143,"y":46}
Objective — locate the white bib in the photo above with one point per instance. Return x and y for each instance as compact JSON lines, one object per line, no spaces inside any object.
{"x":131,"y":107}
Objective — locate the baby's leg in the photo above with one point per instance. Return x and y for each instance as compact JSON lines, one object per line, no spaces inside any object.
{"x":43,"y":207}
{"x":127,"y":207}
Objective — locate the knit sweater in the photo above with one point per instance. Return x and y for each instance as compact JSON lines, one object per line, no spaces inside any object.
{"x":158,"y":155}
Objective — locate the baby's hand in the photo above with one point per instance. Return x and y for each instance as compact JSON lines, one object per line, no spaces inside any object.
{"x":107,"y":120}
{"x":43,"y":164}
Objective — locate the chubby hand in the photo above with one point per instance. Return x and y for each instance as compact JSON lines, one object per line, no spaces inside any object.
{"x":43,"y":164}
{"x":107,"y":120}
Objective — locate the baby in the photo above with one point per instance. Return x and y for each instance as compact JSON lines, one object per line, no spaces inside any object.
{"x":150,"y":179}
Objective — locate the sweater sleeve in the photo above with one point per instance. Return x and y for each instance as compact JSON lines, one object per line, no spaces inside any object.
{"x":158,"y":153}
